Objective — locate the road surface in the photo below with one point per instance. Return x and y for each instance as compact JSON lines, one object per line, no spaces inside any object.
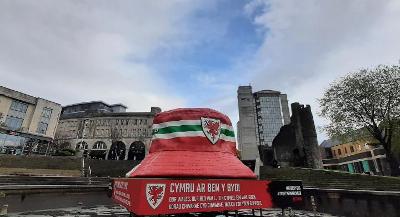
{"x":115,"y":210}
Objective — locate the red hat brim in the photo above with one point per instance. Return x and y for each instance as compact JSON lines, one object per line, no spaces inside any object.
{"x":189,"y":164}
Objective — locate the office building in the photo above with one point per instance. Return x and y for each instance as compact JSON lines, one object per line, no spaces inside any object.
{"x":261,"y":115}
{"x":27,"y":123}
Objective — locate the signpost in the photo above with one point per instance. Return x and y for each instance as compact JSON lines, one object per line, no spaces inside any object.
{"x":286,"y":194}
{"x":169,"y":196}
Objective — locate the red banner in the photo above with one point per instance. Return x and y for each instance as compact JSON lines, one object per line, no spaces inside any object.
{"x":166,"y":196}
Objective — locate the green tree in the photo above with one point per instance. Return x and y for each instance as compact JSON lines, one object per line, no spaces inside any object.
{"x":365,"y":102}
{"x":396,"y":140}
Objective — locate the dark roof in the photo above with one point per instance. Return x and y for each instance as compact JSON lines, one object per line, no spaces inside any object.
{"x":262,"y":93}
{"x":119,"y":104}
{"x":268,"y":91}
{"x":329,"y":143}
{"x":95,"y":102}
{"x":105,"y":114}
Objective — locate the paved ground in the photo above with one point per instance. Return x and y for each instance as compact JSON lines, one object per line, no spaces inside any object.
{"x":111,"y":211}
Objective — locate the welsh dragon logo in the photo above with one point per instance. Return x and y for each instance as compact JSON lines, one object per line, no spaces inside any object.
{"x":155,"y":194}
{"x":211,"y":128}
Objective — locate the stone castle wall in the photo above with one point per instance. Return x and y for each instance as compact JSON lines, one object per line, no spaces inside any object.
{"x":297,"y":144}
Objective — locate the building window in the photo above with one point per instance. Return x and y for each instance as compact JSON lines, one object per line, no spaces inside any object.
{"x":345,"y":150}
{"x":100,"y":145}
{"x":351,"y":148}
{"x":44,"y":121}
{"x":42,"y":128}
{"x":14,"y":123}
{"x":339,"y":152}
{"x":16,"y":114}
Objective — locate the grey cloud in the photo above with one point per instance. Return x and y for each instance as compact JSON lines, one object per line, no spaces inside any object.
{"x":308,"y":44}
{"x":71,"y":51}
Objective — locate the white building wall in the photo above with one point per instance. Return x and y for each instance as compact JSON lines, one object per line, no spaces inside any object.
{"x":246,"y":126}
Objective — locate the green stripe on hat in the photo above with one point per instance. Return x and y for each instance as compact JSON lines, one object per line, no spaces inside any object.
{"x":188,"y":128}
{"x":227,"y":132}
{"x":173,"y":129}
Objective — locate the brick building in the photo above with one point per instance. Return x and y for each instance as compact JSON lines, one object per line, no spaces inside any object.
{"x":105,"y":131}
{"x":358,"y":156}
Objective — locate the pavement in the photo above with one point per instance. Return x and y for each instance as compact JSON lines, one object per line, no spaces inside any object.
{"x":114,"y":211}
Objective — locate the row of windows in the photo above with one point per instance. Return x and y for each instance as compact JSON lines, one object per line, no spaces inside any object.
{"x":109,"y":122}
{"x":107,"y":133}
{"x":267,"y":126}
{"x":44,"y":120}
{"x":18,"y":106}
{"x":100,"y":145}
{"x":123,"y":133}
{"x":16,"y":114}
{"x":273,"y":113}
{"x":270,"y":120}
{"x":270,"y":112}
{"x":270,"y":128}
{"x":269,"y":139}
{"x":269,"y":105}
{"x":121,"y":122}
{"x":339,"y":151}
{"x":14,"y":123}
{"x":270,"y":125}
{"x":268,"y":99}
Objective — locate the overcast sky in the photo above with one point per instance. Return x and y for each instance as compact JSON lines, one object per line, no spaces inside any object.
{"x":182,"y":53}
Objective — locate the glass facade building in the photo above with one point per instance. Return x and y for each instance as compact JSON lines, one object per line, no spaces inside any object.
{"x":261,"y":116}
{"x":269,"y":118}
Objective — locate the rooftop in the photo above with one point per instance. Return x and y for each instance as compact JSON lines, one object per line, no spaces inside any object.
{"x":268,"y":91}
{"x":96,"y":102}
{"x":5,"y":91}
{"x":329,"y":143}
{"x":105,"y":114}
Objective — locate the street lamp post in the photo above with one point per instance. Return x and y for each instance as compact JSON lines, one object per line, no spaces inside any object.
{"x":83,"y":146}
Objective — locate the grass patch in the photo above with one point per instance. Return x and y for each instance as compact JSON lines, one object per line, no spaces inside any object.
{"x":49,"y":172}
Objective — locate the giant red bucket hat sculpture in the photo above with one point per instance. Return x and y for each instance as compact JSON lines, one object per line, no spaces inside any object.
{"x":192,"y":143}
{"x":192,"y":166}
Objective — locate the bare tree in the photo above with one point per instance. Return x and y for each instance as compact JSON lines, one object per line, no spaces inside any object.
{"x":365,"y":103}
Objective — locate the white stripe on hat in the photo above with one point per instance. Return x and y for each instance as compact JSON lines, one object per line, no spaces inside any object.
{"x":176,"y":123}
{"x":186,"y":122}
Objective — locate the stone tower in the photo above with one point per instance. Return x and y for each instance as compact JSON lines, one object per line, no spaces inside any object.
{"x":297,"y":144}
